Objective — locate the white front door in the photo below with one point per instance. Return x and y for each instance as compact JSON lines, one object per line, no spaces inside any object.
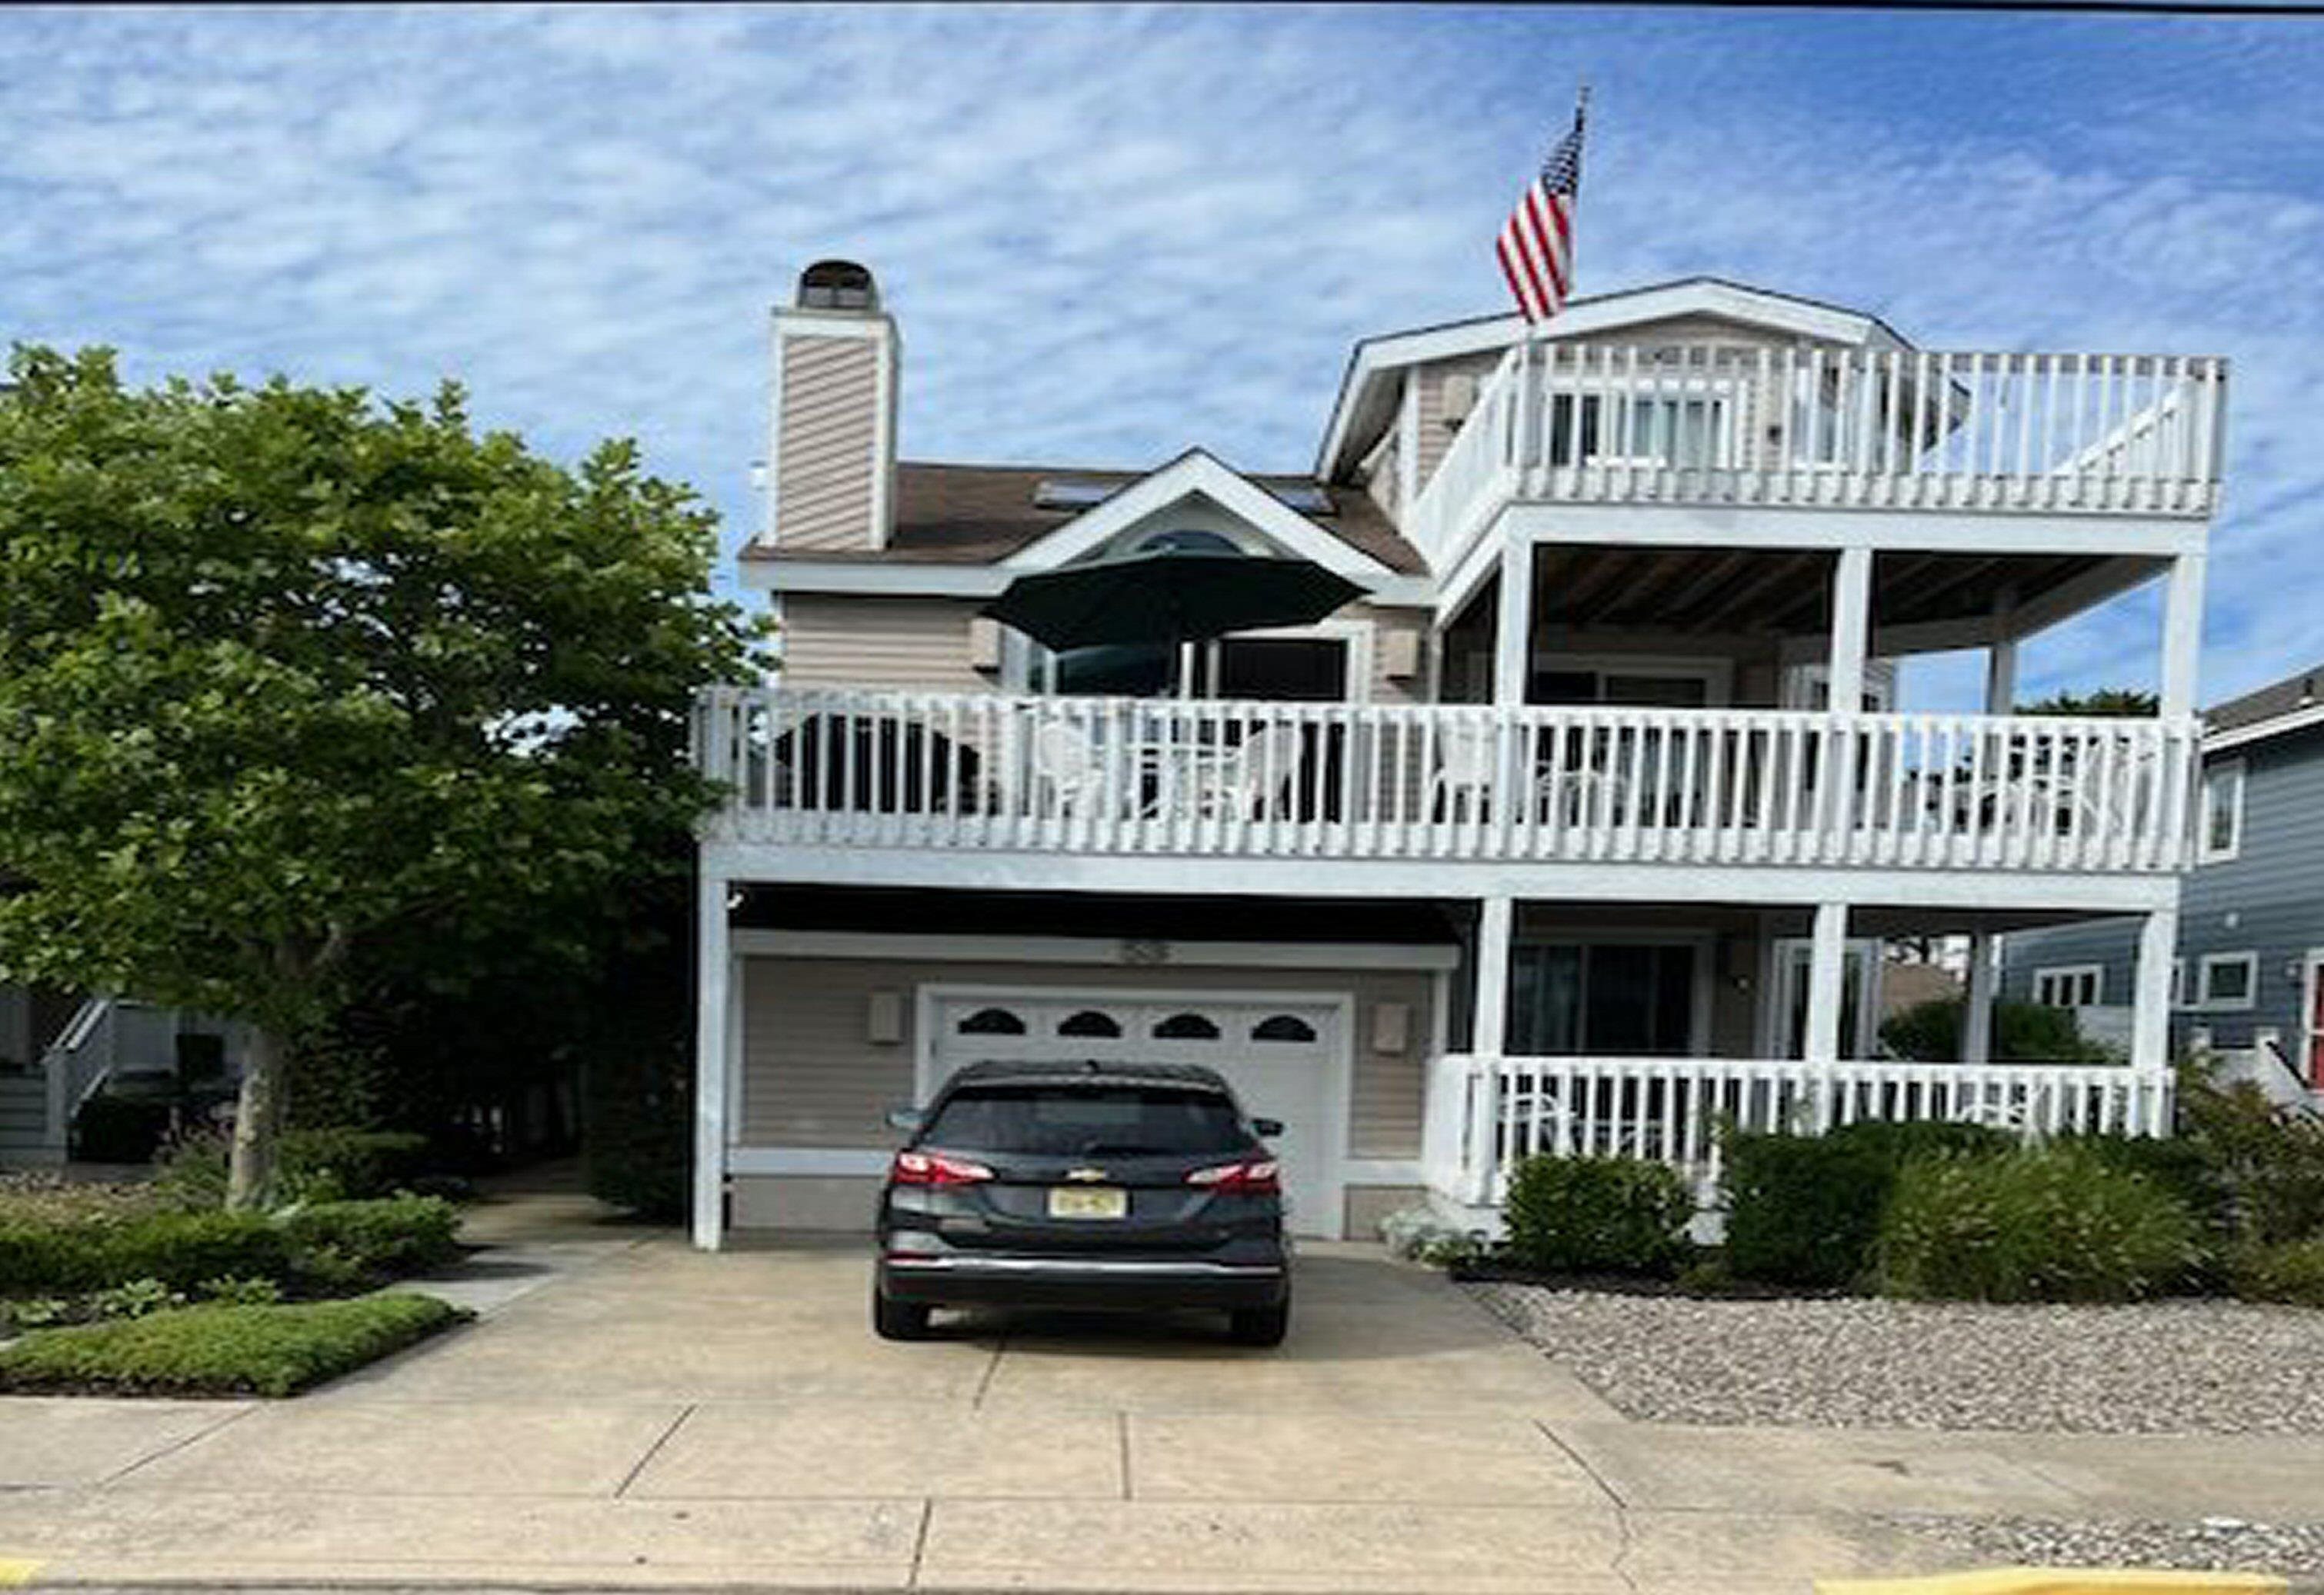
{"x":1285,"y":1058}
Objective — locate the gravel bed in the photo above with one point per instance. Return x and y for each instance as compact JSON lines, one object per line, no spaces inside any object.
{"x":2175,"y":1367}
{"x":2217,"y":1545}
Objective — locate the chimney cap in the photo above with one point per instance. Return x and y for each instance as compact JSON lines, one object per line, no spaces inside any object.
{"x":837,"y":285}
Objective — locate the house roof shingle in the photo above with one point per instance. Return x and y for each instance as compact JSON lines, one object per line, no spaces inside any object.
{"x":953,"y":514}
{"x":2301,"y":690}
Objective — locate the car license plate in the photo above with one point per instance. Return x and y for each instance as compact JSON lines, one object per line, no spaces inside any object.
{"x":1088,"y":1201}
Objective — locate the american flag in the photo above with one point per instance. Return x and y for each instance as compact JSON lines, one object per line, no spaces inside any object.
{"x":1536,"y":243}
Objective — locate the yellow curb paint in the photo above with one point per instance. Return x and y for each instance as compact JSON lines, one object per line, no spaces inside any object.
{"x":2063,"y":1581}
{"x":14,"y":1575}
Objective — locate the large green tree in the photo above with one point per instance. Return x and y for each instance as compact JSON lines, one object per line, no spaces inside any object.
{"x":287,"y":672}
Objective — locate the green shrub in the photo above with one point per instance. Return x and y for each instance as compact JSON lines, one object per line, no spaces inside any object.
{"x":2269,"y":1164}
{"x":312,"y":1166}
{"x":240,"y":1293}
{"x":1618,"y":1213}
{"x":1806,"y":1210}
{"x":134,"y":1299}
{"x":222,"y":1350}
{"x":2179,"y":1165}
{"x":2289,"y":1271}
{"x":2023,"y":1033}
{"x":343,"y":1241}
{"x":178,"y":1248}
{"x":2055,"y":1223}
{"x":37,"y":1197}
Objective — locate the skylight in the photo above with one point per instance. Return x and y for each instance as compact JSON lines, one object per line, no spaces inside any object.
{"x":1072,"y":495}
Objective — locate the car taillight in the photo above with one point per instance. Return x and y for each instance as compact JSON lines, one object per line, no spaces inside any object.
{"x":1258,"y":1178}
{"x":934,"y":1169}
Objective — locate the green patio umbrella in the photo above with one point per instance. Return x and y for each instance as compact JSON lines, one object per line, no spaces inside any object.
{"x":1169,"y":595}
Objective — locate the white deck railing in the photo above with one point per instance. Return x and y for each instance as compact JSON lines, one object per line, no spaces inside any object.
{"x":1133,"y":775}
{"x":1483,"y":1114}
{"x":1808,"y":428}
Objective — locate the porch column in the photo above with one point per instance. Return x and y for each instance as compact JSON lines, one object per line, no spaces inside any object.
{"x":714,"y":961}
{"x":1513,"y":626}
{"x":1851,"y":626}
{"x":1496,"y":931}
{"x":1827,"y":981}
{"x":1976,"y":1014}
{"x":2150,"y":1021}
{"x":2182,"y":635}
{"x":2001,"y":668}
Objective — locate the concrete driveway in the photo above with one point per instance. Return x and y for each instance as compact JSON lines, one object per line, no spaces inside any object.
{"x":630,"y":1412}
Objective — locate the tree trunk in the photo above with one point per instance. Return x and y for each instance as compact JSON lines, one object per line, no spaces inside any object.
{"x":258,"y":1121}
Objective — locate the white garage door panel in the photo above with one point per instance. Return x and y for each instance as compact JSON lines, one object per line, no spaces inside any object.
{"x":1285,"y":1056}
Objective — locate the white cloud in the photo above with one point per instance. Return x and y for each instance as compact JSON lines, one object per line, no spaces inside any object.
{"x":1112,"y":233}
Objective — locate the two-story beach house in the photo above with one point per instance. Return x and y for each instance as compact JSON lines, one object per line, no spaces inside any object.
{"x":1578,"y":831}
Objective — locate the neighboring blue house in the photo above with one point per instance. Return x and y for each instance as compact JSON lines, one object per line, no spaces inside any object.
{"x":2250,"y":973}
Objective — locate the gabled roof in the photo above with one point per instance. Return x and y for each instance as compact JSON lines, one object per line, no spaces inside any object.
{"x":2290,"y":704}
{"x":962,"y":514}
{"x":1367,"y":384}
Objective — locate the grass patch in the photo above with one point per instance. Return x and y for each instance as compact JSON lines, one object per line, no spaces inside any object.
{"x":222,"y":1350}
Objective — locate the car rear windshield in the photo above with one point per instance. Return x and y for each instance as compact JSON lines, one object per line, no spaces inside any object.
{"x":1082,"y":1120}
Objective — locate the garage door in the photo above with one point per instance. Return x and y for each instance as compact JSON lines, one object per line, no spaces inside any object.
{"x":1284,"y":1059}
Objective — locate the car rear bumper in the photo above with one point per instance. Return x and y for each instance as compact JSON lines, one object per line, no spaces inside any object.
{"x":956,"y":1280}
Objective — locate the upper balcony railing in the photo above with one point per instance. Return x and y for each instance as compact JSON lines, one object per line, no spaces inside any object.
{"x":996,"y":772}
{"x":1821,"y":428}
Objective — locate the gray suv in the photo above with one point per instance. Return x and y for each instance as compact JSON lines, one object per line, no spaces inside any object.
{"x":1140,"y":1187}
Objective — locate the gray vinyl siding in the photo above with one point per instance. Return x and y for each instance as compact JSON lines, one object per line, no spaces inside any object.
{"x":811,"y":1079}
{"x":2268,"y":899}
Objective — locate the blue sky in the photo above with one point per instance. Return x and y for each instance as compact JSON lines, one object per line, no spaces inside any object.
{"x":1109,"y":233}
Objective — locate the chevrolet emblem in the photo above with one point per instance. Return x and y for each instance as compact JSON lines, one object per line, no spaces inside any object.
{"x":1086,"y":1175}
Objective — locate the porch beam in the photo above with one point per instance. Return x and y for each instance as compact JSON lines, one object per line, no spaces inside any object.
{"x":2150,"y":1019}
{"x":714,"y":955}
{"x":1955,"y":531}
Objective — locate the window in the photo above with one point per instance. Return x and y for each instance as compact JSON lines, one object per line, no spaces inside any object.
{"x":2072,"y":985}
{"x":1089,"y":1022}
{"x":991,"y":1021}
{"x":1646,"y":429}
{"x":2228,"y":979}
{"x":1619,"y":1000}
{"x":1283,"y":1027}
{"x":1191,"y":540}
{"x":1186,"y":1027}
{"x":2223,"y":811}
{"x":1661,"y":687}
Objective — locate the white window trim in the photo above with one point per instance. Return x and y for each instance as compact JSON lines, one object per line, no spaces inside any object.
{"x":2070,"y":975}
{"x":2226,"y":769}
{"x":2179,"y":993}
{"x":2210,"y":1004}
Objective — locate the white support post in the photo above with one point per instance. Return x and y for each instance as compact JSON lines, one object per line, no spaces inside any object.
{"x":1851,"y":629}
{"x":1496,"y":933}
{"x":2001,"y":660}
{"x":712,"y":1019}
{"x":2150,"y":1021}
{"x":1512,"y":626}
{"x":1977,"y":1017}
{"x":1827,"y":982}
{"x":2182,"y":635}
{"x":1489,"y":1037}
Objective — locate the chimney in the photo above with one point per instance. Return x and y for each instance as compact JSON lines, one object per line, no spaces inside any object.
{"x":831,"y":453}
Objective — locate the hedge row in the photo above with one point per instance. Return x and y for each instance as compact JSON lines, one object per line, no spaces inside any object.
{"x":335,"y":1244}
{"x":222,"y":1350}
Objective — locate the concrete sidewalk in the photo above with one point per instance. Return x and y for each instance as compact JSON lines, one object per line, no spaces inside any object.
{"x":630,"y":1412}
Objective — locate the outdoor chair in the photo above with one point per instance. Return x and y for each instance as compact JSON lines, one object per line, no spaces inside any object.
{"x":1262,"y":765}
{"x":1070,"y":777}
